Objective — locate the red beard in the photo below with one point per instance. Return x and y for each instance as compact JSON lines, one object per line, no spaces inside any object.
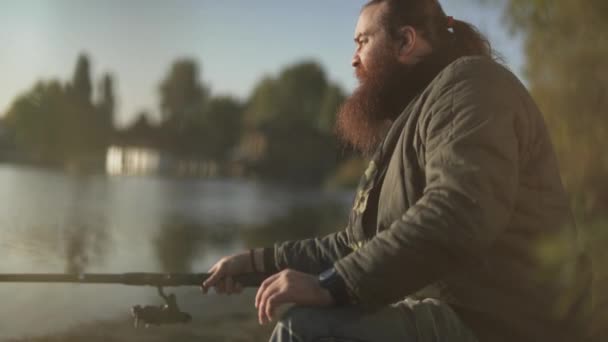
{"x":385,"y":89}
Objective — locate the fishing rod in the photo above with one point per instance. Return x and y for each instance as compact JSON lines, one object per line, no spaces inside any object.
{"x":134,"y":278}
{"x":169,"y":313}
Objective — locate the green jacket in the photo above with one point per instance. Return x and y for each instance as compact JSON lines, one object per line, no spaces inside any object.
{"x":464,"y":195}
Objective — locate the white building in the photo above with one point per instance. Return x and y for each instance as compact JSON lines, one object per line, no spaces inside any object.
{"x":132,"y":161}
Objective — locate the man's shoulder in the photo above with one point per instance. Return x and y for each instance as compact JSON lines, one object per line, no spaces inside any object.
{"x":476,"y":69}
{"x":478,"y":76}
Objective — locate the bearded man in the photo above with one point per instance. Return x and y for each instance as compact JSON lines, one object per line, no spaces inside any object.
{"x":462,"y":196}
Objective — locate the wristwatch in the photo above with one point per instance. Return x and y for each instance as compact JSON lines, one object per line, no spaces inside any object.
{"x":332,"y":281}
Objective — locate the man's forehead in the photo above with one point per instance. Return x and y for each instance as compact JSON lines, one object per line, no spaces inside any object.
{"x":369,"y":20}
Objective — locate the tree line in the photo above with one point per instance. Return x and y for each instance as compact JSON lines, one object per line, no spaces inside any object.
{"x":566,"y":44}
{"x":566,"y":49}
{"x":281,"y":132}
{"x":57,"y":122}
{"x":284,"y":126}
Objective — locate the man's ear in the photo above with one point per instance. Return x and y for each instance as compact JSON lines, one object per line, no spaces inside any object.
{"x":407,"y":44}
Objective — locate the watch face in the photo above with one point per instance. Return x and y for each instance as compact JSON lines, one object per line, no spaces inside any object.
{"x":325,"y":275}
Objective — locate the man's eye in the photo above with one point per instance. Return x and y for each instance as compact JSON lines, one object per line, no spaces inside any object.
{"x":360,"y":41}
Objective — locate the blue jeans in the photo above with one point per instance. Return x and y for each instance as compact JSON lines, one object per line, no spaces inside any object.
{"x":410,"y":320}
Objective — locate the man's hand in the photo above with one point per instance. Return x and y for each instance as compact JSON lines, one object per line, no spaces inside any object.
{"x":289,"y":286}
{"x":223,"y":271}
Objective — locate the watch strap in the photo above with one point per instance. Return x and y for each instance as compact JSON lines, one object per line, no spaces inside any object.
{"x":336,"y":286}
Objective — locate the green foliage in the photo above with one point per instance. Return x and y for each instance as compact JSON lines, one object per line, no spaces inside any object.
{"x":297,"y":95}
{"x":567,"y":69}
{"x":32,"y":122}
{"x":222,"y":123}
{"x":566,"y":47}
{"x":332,"y":100}
{"x":300,"y":154}
{"x":141,"y":133}
{"x":181,"y":93}
{"x":196,"y":125}
{"x":294,"y":113}
{"x":107,"y":102}
{"x":56,"y":124}
{"x":81,"y":81}
{"x":597,"y":235}
{"x":302,"y":88}
{"x":43,"y":121}
{"x":263,"y":105}
{"x":290,"y":117}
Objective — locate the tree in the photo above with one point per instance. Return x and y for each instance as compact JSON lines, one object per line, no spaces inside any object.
{"x":301,"y":92}
{"x":46,"y":124}
{"x":294,"y":114}
{"x":295,"y":96}
{"x":182,"y":95}
{"x":107,"y":101}
{"x":263,"y":104}
{"x":59,"y":124}
{"x":31,"y":125}
{"x":84,"y":122}
{"x":566,"y":47}
{"x":222,"y":122}
{"x":141,"y":132}
{"x":182,"y":102}
{"x":332,"y":100}
{"x":567,"y":69}
{"x":81,"y":81}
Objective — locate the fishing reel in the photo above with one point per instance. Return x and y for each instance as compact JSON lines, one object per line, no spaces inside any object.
{"x":157,"y":315}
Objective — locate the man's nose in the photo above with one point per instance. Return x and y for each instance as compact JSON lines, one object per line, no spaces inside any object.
{"x":356,"y":60}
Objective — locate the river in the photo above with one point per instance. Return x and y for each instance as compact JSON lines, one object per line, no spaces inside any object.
{"x":54,"y":222}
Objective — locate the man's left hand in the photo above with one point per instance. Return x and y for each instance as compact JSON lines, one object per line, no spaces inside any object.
{"x":289,"y":286}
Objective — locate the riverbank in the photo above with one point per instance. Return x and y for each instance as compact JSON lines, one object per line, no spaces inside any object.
{"x":222,"y":319}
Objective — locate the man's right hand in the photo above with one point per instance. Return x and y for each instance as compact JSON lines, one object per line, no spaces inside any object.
{"x":228,"y":267}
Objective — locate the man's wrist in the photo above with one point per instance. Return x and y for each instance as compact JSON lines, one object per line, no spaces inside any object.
{"x":268,"y":261}
{"x":333,"y":282}
{"x":257,"y":260}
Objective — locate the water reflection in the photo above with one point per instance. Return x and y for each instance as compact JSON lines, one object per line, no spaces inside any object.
{"x":178,"y":243}
{"x":56,"y":223}
{"x":297,"y":223}
{"x":85,"y":234}
{"x":84,"y":246}
{"x":181,"y":240}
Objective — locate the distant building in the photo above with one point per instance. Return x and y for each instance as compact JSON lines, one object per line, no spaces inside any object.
{"x":129,"y":160}
{"x":132,"y":160}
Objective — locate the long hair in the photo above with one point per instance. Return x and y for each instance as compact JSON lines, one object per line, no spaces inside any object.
{"x":429,"y":19}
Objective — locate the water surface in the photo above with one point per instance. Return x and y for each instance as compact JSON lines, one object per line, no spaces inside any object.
{"x":53,"y":222}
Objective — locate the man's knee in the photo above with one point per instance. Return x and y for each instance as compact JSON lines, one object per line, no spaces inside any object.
{"x":303,"y":321}
{"x":301,"y":324}
{"x":304,"y":324}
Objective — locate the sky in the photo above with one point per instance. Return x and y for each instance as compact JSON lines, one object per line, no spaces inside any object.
{"x":235,"y":42}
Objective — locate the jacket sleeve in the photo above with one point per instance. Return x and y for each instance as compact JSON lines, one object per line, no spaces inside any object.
{"x":471,"y":172}
{"x":313,"y":255}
